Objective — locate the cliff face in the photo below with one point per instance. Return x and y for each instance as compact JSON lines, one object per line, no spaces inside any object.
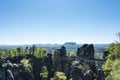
{"x":86,"y":51}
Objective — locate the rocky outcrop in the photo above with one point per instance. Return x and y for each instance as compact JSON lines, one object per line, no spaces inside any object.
{"x":49,"y":65}
{"x":61,"y":62}
{"x":86,"y":51}
{"x":60,"y":59}
{"x":106,"y":53}
{"x":100,"y":74}
{"x":80,"y":67}
{"x":12,"y":71}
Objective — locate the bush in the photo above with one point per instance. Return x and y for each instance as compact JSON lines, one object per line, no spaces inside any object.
{"x":26,"y":64}
{"x":59,"y":76}
{"x":44,"y":73}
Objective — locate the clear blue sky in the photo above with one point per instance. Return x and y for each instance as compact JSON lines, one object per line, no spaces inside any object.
{"x":59,"y":21}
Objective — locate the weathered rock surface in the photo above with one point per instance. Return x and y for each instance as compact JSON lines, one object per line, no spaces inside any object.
{"x":86,"y":51}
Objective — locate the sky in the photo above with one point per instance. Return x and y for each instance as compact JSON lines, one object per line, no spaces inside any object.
{"x":59,"y":21}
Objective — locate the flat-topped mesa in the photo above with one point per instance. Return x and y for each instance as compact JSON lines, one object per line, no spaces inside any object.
{"x":86,"y":51}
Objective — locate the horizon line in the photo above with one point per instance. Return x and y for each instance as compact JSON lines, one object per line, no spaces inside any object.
{"x":49,"y":43}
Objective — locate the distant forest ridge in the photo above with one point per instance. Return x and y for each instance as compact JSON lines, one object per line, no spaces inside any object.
{"x":70,"y":46}
{"x":67,"y":44}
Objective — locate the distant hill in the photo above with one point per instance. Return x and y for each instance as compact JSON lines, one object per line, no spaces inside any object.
{"x":70,"y":43}
{"x":70,"y":46}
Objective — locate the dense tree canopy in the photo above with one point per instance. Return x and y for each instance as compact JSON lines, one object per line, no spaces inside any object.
{"x":112,"y":64}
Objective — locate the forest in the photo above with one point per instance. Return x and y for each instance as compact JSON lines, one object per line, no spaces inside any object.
{"x":35,"y":63}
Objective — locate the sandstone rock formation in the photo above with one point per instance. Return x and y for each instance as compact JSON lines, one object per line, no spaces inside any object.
{"x":86,"y":51}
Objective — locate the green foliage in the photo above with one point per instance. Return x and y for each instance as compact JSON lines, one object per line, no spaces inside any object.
{"x":44,"y":73}
{"x":107,"y":67}
{"x":26,"y":64}
{"x":13,"y":52}
{"x":2,"y":53}
{"x":112,"y":64}
{"x":114,"y":50}
{"x":115,"y":72}
{"x":23,"y":51}
{"x":109,"y":78}
{"x":72,"y":53}
{"x":40,"y":52}
{"x":59,"y":76}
